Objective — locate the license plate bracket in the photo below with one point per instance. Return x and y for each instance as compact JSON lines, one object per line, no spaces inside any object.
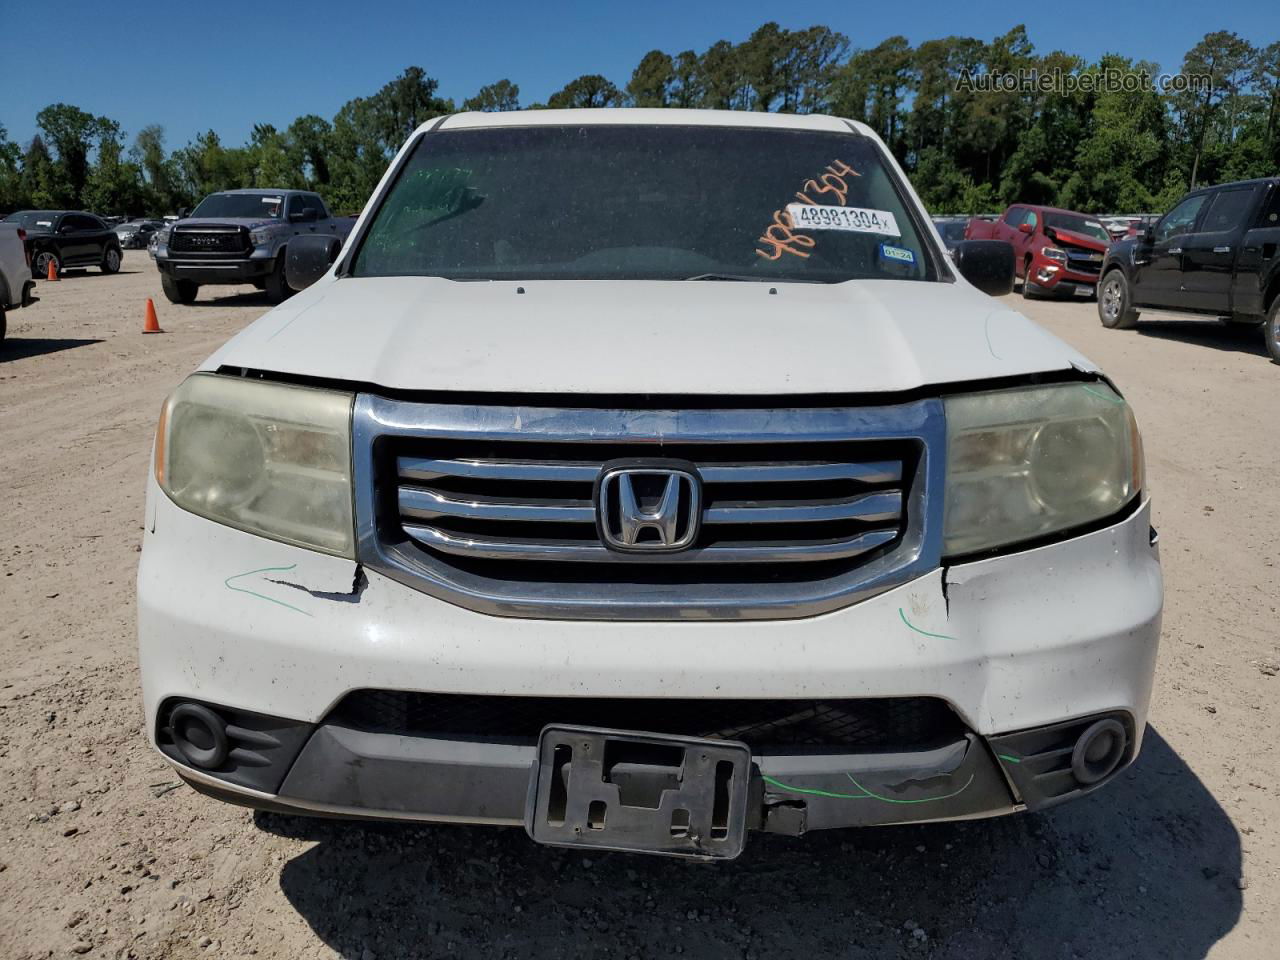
{"x":1084,"y":291}
{"x":639,"y":792}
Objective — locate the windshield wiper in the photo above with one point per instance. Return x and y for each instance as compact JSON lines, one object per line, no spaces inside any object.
{"x":730,"y":277}
{"x":748,"y":278}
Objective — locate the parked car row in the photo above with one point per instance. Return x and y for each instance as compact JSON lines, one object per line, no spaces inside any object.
{"x":136,"y":234}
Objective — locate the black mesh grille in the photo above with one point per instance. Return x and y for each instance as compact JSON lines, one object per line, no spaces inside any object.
{"x":888,"y":723}
{"x":201,"y":241}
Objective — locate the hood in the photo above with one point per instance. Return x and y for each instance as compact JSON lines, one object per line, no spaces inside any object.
{"x":1077,"y":239}
{"x":644,"y":337}
{"x":252,"y":223}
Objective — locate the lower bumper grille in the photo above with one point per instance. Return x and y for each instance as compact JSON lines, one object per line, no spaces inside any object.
{"x":854,"y":724}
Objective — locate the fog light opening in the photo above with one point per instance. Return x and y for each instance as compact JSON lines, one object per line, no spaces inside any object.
{"x":1099,"y":751}
{"x":200,"y":735}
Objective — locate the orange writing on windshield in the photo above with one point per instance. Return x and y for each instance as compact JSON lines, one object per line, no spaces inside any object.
{"x":780,"y":236}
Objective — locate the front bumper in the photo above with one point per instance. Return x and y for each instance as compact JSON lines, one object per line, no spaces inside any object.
{"x":214,"y":270}
{"x":1052,"y":279}
{"x":1014,"y":644}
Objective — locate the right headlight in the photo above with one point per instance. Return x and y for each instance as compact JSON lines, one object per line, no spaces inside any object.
{"x":1029,"y":462}
{"x":267,"y":458}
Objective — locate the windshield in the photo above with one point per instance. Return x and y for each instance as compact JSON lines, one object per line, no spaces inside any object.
{"x":602,"y":202}
{"x":1077,"y":223}
{"x":33,"y":219}
{"x":241,"y":206}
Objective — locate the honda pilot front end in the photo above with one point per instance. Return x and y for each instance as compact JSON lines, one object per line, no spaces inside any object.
{"x":646,"y":479}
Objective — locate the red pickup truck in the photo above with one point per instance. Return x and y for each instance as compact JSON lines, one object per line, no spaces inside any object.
{"x":1056,"y":252}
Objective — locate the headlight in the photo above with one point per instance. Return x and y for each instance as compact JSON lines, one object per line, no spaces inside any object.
{"x":266,"y":458}
{"x":260,"y":236}
{"x":1054,"y":253}
{"x":1029,"y":462}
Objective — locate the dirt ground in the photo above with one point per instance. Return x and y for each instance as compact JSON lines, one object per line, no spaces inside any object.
{"x":101,"y":856}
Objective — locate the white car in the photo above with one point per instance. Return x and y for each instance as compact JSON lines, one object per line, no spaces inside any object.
{"x":646,"y":478}
{"x":16,"y":285}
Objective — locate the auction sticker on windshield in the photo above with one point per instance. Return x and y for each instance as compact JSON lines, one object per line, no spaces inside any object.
{"x":809,"y":216}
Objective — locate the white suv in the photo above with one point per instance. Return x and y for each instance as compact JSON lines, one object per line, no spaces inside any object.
{"x":645,"y":478}
{"x":16,"y":285}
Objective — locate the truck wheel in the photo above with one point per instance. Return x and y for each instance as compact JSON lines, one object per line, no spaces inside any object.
{"x":111,"y":261}
{"x":1114,"y":305}
{"x":277,"y":290}
{"x":1271,"y":331}
{"x":40,"y":265}
{"x":178,"y":291}
{"x":1030,"y":291}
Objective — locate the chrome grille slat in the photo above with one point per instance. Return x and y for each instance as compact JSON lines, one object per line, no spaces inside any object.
{"x":428,"y":468}
{"x":883,"y":472}
{"x":871,"y":507}
{"x":428,"y":504}
{"x":591,"y":551}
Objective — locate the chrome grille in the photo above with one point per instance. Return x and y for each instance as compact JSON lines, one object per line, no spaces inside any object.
{"x":494,"y":508}
{"x":516,"y":508}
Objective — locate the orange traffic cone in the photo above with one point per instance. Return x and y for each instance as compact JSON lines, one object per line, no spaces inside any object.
{"x":53,"y":269}
{"x":151,"y":325}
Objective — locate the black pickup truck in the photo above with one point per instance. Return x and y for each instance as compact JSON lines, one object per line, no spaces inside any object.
{"x":1215,"y":254}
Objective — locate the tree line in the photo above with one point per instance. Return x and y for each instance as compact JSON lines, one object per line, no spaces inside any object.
{"x":967,"y":149}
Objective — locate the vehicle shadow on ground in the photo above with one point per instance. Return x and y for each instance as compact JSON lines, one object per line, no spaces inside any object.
{"x":256,"y":298}
{"x":1237,"y":338}
{"x":20,"y":348}
{"x":1147,"y":867}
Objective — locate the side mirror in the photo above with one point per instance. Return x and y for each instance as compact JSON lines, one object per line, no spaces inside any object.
{"x":1149,"y":233}
{"x":309,"y":258}
{"x":987,"y":264}
{"x":183,"y":213}
{"x":305,"y":215}
{"x":1024,"y":228}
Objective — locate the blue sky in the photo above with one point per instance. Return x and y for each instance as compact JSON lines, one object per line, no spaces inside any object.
{"x":225,"y":66}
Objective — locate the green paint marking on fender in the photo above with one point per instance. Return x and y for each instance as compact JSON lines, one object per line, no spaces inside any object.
{"x":262,"y":596}
{"x":921,"y":800}
{"x":1008,"y":759}
{"x":937,"y":636}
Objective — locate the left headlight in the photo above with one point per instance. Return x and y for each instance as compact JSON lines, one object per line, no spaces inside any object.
{"x":1026,"y":463}
{"x":266,"y":458}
